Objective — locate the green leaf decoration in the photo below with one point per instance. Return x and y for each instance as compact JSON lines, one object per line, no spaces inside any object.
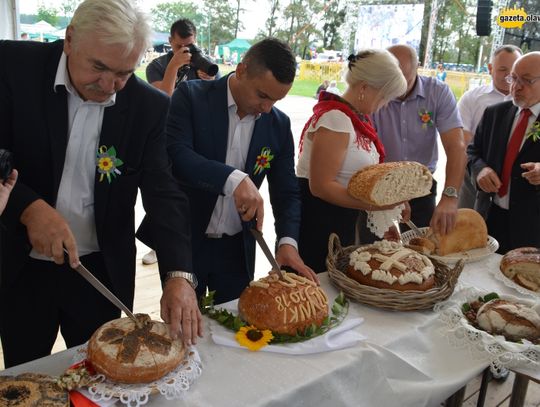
{"x":466,"y":307}
{"x":111,"y":151}
{"x":340,"y":309}
{"x":490,"y":296}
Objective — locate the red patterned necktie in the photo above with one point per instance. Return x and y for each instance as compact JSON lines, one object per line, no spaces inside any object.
{"x":512,"y":150}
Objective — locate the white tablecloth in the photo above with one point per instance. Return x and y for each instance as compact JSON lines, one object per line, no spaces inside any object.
{"x":405,"y":361}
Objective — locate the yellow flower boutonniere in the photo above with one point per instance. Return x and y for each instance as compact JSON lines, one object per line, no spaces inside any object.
{"x":263,"y":160}
{"x":253,"y":338}
{"x":534,"y":131}
{"x":108,"y":163}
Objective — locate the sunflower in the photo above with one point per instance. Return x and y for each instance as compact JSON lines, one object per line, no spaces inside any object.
{"x":253,"y":338}
{"x":105,"y":163}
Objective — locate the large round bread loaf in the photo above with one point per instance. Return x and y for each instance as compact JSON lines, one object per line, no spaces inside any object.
{"x":32,"y":390}
{"x":512,"y":320}
{"x":386,"y":264}
{"x":390,"y":183}
{"x":284,"y":307}
{"x":522,"y":265}
{"x":470,"y":232}
{"x":127,"y":353}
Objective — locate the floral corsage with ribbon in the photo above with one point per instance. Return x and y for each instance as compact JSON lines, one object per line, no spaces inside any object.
{"x":263,"y":161}
{"x":108,"y":163}
{"x":426,"y":117}
{"x":254,"y":339}
{"x":534,"y":132}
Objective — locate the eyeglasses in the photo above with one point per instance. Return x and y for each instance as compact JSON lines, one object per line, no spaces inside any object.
{"x":522,"y":81}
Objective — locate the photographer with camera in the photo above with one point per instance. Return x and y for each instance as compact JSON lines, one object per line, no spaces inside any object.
{"x":184,"y":63}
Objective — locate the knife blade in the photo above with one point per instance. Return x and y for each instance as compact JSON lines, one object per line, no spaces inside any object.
{"x":267,"y":252}
{"x":410,"y":224}
{"x":98,"y":285}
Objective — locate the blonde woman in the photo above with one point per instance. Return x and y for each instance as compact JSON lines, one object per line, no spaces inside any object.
{"x":336,"y":141}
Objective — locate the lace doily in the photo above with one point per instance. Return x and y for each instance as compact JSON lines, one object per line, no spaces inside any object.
{"x":498,"y":274}
{"x":173,"y":386}
{"x":380,"y":221}
{"x":482,"y":345}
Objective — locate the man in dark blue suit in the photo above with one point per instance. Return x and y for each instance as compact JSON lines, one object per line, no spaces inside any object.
{"x":224,"y":137}
{"x":86,"y":134}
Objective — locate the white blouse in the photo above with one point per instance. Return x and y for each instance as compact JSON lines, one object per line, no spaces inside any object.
{"x":355,"y":158}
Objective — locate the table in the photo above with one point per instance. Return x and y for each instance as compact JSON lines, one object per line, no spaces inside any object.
{"x":404,"y":362}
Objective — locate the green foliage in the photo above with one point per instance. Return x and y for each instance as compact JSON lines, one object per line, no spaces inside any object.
{"x":48,"y":14}
{"x":165,"y":14}
{"x":340,"y":309}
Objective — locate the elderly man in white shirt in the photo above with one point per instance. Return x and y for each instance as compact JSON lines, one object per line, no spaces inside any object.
{"x":473,"y":103}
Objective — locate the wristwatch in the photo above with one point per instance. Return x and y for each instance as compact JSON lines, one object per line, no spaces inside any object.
{"x":450,"y":192}
{"x":190,"y":277}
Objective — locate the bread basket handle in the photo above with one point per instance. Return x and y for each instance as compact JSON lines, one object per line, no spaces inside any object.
{"x":334,"y":247}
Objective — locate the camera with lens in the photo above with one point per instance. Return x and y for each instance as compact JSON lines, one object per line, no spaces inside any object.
{"x":201,"y":61}
{"x":6,"y":164}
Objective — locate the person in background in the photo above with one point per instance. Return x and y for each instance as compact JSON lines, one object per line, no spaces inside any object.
{"x":222,"y":162}
{"x":409,"y":127}
{"x":473,"y":103}
{"x":504,"y":158}
{"x":322,"y":86}
{"x":167,"y":71}
{"x":338,"y":140}
{"x":441,"y":73}
{"x":91,"y":134}
{"x":332,"y":88}
{"x":24,"y":37}
{"x":6,"y":186}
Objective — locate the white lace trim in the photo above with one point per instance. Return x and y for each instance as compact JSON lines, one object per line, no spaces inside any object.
{"x":482,"y":345}
{"x":173,"y":386}
{"x":380,"y":221}
{"x":498,"y":274}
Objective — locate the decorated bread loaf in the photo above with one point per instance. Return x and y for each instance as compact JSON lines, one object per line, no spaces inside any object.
{"x":127,"y":353}
{"x":512,"y":320}
{"x":386,"y":264}
{"x":390,"y":183}
{"x":32,"y":390}
{"x":523,"y":266}
{"x":284,"y":307}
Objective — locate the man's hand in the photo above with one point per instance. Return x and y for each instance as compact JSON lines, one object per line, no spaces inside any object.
{"x":249,"y":202}
{"x":180,"y":58}
{"x":49,"y":233}
{"x":488,"y":180}
{"x":6,"y":188}
{"x":444,"y":216}
{"x":287,"y":255}
{"x":392,"y":234}
{"x":179,"y":308}
{"x":406,"y":212}
{"x":204,"y":76}
{"x":531,"y":173}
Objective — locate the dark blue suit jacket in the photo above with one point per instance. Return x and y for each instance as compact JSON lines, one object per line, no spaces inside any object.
{"x":197,"y":132}
{"x":34,"y":125}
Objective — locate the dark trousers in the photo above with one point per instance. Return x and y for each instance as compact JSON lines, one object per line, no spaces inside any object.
{"x":46,"y":297}
{"x":220,"y":266}
{"x":421,"y":212}
{"x":498,"y":224}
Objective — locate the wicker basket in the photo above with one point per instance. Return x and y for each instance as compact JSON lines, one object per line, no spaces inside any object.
{"x":338,"y":260}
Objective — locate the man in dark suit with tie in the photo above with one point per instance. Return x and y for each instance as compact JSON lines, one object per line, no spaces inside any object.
{"x":86,"y":134}
{"x":224,"y":137}
{"x":505,"y":160}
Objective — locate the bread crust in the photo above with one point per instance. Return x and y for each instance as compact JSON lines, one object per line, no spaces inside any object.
{"x":283,"y":307}
{"x":522,"y":265}
{"x":32,"y":390}
{"x":470,"y":232}
{"x":375,"y":265}
{"x":127,"y":354}
{"x":390,"y":183}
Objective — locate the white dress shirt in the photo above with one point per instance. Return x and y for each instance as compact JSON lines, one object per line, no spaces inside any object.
{"x":473,"y":103}
{"x":504,"y":202}
{"x":225,"y":218}
{"x":75,"y":200}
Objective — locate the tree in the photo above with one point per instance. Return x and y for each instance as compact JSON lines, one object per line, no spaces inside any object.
{"x":271,"y":22}
{"x":68,"y":7}
{"x":334,"y":17}
{"x":165,"y":14}
{"x":48,"y":14}
{"x":219,"y":23}
{"x":238,"y":23}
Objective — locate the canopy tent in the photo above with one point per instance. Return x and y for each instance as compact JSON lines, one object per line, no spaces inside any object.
{"x":232,"y":51}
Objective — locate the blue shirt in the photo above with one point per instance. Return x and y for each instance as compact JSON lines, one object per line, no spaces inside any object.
{"x":409,"y":129}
